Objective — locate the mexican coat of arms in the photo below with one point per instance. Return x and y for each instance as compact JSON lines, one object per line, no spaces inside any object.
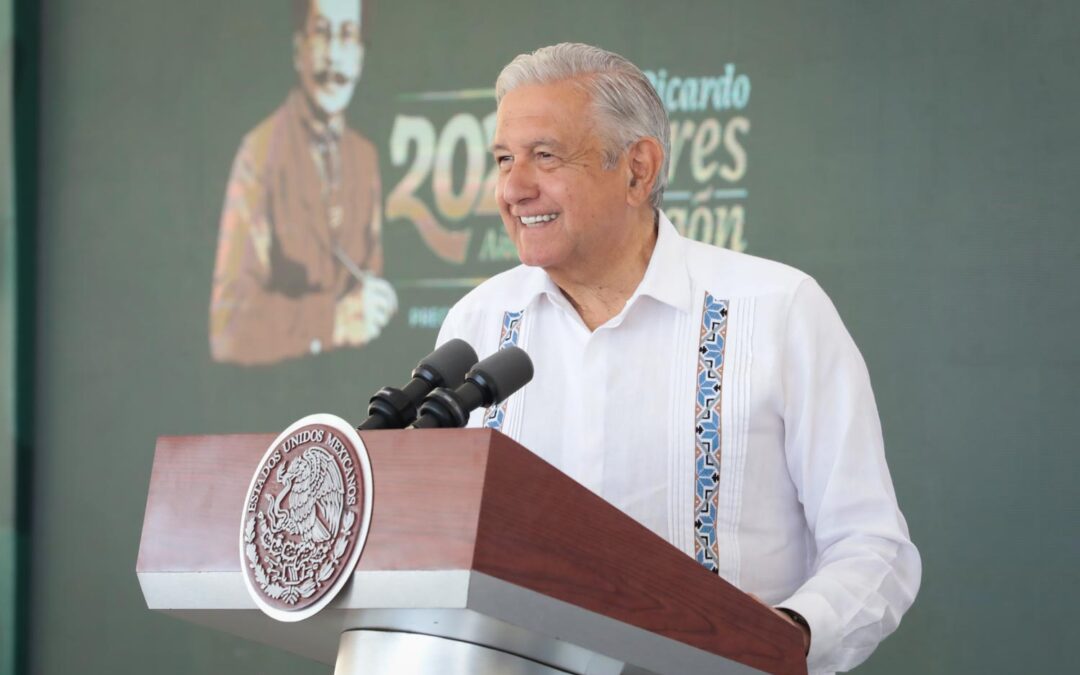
{"x":306,"y":517}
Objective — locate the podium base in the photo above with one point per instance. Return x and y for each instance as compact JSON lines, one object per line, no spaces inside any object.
{"x":372,"y":652}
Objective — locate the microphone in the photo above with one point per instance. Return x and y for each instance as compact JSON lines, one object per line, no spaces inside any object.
{"x":392,"y":408}
{"x":491,"y":381}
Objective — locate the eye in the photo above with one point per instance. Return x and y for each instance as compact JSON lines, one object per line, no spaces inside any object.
{"x":544,"y":155}
{"x":321,"y":29}
{"x":349,"y":34}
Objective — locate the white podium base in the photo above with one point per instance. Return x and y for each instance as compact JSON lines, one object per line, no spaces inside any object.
{"x":374,"y":652}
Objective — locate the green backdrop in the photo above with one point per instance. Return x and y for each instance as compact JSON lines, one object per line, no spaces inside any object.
{"x":916,"y":157}
{"x":8,"y":520}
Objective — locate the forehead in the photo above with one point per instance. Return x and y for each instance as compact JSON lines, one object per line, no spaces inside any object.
{"x":559,"y":110}
{"x":336,"y":11}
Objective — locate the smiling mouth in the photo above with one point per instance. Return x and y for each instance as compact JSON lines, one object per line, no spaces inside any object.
{"x":538,"y":220}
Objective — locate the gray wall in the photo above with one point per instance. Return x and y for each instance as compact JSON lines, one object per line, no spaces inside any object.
{"x":917,"y":158}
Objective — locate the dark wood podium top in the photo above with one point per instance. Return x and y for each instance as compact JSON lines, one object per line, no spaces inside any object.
{"x":474,"y":500}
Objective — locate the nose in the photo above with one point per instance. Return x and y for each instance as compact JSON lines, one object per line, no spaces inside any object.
{"x":517,"y":185}
{"x":335,"y":50}
{"x":341,"y":46}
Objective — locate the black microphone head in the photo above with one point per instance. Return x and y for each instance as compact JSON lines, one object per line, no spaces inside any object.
{"x":447,"y":365}
{"x":501,"y":374}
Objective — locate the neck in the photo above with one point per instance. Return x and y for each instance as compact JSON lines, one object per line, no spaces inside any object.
{"x":316,"y":114}
{"x":601,"y":293}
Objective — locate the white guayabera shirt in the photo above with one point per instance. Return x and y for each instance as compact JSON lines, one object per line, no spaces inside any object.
{"x":727,"y":409}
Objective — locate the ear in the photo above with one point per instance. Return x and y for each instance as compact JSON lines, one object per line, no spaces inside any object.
{"x":643,"y":159}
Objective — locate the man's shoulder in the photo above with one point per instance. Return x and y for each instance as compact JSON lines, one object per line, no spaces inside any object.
{"x":256,"y":142}
{"x":356,"y":147}
{"x":475,"y":317}
{"x":358,"y":142}
{"x":501,"y":293}
{"x":740,"y":273}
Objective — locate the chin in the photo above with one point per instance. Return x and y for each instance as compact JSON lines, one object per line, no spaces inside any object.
{"x":333,"y":103}
{"x":539,"y":259}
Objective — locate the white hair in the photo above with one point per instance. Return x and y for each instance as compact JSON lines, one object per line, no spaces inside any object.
{"x":626,"y":105}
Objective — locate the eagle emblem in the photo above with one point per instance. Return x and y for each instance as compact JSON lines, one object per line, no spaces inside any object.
{"x":310,"y":504}
{"x":300,"y":539}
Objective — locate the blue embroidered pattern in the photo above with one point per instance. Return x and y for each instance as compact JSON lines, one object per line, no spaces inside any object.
{"x":511,"y":330}
{"x":710,"y":375}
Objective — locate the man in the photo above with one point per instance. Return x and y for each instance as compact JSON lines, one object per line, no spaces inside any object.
{"x":713,"y":396}
{"x":300,"y":245}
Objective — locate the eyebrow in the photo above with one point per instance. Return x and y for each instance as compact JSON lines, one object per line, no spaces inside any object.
{"x":546,"y":140}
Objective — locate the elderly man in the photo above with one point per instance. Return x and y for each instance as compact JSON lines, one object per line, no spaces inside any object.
{"x":300,"y":245}
{"x":713,"y":396}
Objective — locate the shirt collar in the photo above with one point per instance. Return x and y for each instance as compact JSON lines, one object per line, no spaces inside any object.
{"x":322,"y":129}
{"x":666,"y":277}
{"x":538,"y":283}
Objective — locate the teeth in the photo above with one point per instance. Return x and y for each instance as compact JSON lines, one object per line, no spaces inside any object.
{"x":533,"y":220}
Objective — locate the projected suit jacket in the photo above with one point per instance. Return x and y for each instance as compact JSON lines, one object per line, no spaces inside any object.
{"x":298,"y":189}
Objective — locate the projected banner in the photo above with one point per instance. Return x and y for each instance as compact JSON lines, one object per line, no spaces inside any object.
{"x":299,"y":268}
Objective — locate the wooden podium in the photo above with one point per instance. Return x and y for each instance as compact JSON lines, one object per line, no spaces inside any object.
{"x":481,"y":557}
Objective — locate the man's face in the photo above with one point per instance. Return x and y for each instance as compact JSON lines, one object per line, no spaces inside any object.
{"x":328,"y":54}
{"x":562,"y":209}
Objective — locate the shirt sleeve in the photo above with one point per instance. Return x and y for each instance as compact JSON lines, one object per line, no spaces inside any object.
{"x":450,"y":329}
{"x":867,"y":571}
{"x":249,"y":324}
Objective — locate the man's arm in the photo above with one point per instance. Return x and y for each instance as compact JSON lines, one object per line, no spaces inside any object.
{"x":867,"y":571}
{"x":371,"y":305}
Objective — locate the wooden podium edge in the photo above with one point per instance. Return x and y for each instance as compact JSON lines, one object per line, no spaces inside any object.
{"x":533,"y":533}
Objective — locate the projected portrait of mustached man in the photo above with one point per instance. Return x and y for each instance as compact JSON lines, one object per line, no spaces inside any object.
{"x":299,"y":260}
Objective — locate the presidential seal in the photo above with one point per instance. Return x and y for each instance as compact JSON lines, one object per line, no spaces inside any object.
{"x":306,"y":517}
